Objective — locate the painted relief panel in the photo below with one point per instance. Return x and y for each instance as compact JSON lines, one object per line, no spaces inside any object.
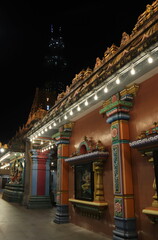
{"x":84,"y":183}
{"x":17,"y":171}
{"x":117,"y":169}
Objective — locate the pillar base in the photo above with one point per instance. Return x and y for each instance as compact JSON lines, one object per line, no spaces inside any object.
{"x":39,"y":202}
{"x":13,"y":192}
{"x":62,"y":214}
{"x":125,"y":229}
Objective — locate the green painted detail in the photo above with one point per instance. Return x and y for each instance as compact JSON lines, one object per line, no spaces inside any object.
{"x":116,"y":166}
{"x":115,"y":104}
{"x":61,"y":134}
{"x":120,"y":141}
{"x":60,"y":157}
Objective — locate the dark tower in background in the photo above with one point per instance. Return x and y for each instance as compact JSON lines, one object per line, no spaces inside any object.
{"x":55,"y":60}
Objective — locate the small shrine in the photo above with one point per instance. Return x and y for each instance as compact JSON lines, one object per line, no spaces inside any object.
{"x":147,"y":145}
{"x":88,"y":163}
{"x":14,"y":189}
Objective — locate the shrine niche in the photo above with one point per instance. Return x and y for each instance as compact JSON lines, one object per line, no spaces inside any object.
{"x":84,"y":186}
{"x":88,"y":162}
{"x":147,"y":144}
{"x":14,"y":189}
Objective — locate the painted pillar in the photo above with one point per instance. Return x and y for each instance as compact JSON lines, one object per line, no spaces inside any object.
{"x":40,"y":180}
{"x":62,"y":212}
{"x":117,"y":111}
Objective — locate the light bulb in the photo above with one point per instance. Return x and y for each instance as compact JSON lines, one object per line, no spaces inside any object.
{"x":86,"y":103}
{"x":71,"y":112}
{"x":54,"y":124}
{"x":118,"y":81}
{"x":78,"y":108}
{"x":150,"y":59}
{"x":65,"y":117}
{"x":106,"y":89}
{"x":95,"y":97}
{"x":133,"y":71}
{"x":50,"y":127}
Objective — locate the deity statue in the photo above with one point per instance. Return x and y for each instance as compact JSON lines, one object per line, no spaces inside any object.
{"x":98,"y":63}
{"x":87,"y":72}
{"x":60,"y":96}
{"x":78,"y":77}
{"x":67,"y":90}
{"x":110,"y":52}
{"x":144,"y":16}
{"x":125,"y":39}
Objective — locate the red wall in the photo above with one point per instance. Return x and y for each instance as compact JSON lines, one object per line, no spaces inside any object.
{"x":143,"y":115}
{"x":94,"y":125}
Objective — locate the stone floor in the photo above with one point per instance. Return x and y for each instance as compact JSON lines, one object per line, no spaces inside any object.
{"x":18,"y":222}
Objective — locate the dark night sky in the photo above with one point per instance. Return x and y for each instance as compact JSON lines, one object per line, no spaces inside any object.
{"x":88,"y":28}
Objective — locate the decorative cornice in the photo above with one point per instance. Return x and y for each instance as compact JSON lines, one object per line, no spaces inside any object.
{"x":88,"y":156}
{"x":144,"y":142}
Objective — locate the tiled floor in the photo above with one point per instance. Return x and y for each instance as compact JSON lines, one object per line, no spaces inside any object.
{"x":18,"y":222}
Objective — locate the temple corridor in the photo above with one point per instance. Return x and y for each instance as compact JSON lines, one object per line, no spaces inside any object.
{"x":18,"y":222}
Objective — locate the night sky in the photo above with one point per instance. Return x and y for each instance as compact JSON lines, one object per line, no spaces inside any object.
{"x":88,"y":28}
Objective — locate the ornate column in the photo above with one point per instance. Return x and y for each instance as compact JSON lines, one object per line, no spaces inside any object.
{"x":40,"y":180}
{"x":117,"y":111}
{"x":62,"y":141}
{"x":98,"y":179}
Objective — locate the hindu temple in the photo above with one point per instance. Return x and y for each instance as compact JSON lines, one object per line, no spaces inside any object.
{"x":93,"y":154}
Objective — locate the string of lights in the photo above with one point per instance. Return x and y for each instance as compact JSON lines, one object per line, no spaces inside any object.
{"x":97,"y":94}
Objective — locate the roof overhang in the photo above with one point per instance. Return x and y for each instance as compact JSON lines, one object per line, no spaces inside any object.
{"x":46,"y":128}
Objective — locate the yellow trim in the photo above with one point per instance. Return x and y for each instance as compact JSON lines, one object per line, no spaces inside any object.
{"x":99,"y":204}
{"x":151,"y":212}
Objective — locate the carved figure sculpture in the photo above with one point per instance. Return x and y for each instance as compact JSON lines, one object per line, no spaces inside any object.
{"x":98,"y":63}
{"x":125,"y":39}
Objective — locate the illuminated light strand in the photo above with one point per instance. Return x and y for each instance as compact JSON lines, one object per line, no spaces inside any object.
{"x":105,"y":87}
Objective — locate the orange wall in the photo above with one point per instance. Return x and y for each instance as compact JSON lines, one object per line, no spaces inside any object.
{"x":94,"y":125}
{"x":143,"y":114}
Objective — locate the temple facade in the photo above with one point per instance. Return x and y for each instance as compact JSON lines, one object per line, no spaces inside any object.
{"x":94,"y":154}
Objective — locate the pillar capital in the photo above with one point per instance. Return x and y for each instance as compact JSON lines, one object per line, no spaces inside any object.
{"x":64,"y":134}
{"x":37,"y":155}
{"x":118,"y":106}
